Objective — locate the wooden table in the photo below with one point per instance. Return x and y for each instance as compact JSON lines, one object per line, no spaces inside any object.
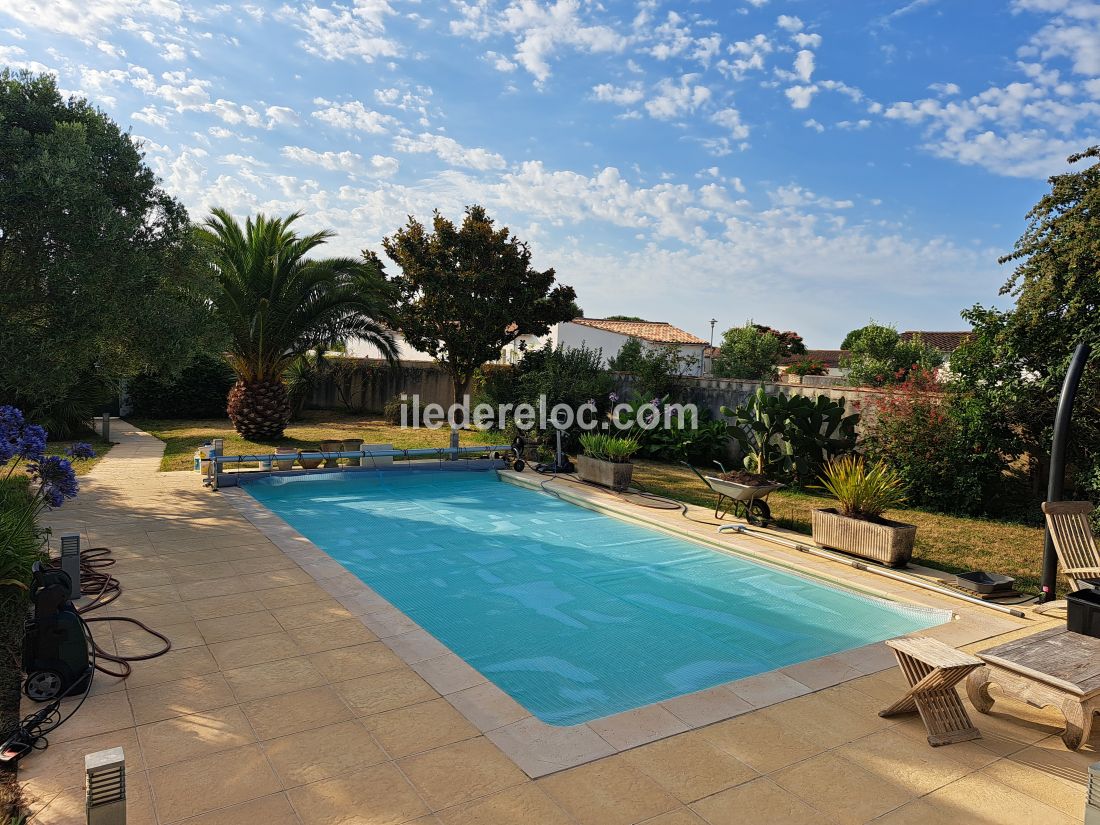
{"x":1054,"y":667}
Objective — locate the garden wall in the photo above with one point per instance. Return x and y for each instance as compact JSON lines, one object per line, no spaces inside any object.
{"x":366,"y":384}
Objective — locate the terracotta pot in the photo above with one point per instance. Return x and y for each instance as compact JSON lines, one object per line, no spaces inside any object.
{"x":885,"y":541}
{"x":331,"y":446}
{"x":286,"y":462}
{"x":615,"y":475}
{"x":309,"y":463}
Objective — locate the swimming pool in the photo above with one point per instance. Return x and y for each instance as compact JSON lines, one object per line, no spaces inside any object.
{"x":575,"y":614}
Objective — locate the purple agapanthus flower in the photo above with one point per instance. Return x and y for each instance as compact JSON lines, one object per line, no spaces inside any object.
{"x":81,"y":449}
{"x":32,"y":445}
{"x":11,"y":432}
{"x":56,"y":480}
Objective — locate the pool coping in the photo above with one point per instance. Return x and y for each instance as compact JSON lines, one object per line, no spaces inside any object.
{"x":539,"y":748}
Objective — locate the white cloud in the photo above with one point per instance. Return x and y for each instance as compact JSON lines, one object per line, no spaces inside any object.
{"x":540,"y":31}
{"x":622,"y":95}
{"x":801,"y":96}
{"x":342,"y":33}
{"x":450,"y":151}
{"x":353,"y":116}
{"x":747,"y":56}
{"x":676,"y":98}
{"x":81,"y":19}
{"x":789,"y":23}
{"x":281,"y":116}
{"x":730,"y":119}
{"x":333,"y":161}
{"x":804,"y":65}
{"x":149,"y":114}
{"x":807,"y":41}
{"x":813,"y":124}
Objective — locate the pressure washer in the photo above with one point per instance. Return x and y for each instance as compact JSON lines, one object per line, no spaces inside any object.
{"x":56,"y":654}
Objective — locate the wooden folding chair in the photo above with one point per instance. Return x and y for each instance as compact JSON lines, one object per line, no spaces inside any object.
{"x":932,"y":670}
{"x":1078,"y":556}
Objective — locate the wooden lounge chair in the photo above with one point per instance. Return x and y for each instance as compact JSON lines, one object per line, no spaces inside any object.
{"x":932,"y":670}
{"x":1078,"y":556}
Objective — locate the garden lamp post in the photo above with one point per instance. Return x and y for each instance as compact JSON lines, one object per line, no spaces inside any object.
{"x":1057,"y":478}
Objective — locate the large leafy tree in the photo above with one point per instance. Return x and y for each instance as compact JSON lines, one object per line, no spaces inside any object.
{"x":276,"y":303}
{"x":97,"y":281}
{"x":1016,"y":360}
{"x":467,"y":291}
{"x":878,"y":357}
{"x":748,"y":352}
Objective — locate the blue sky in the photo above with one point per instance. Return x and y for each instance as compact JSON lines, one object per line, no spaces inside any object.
{"x":808,"y":165}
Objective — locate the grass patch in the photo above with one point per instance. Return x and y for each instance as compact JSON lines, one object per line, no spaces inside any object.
{"x":183,"y":437}
{"x":956,"y":544}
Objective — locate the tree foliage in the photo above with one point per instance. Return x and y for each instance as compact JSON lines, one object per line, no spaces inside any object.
{"x":656,"y":369}
{"x":790,"y":342}
{"x":878,"y":357}
{"x":467,"y":291}
{"x":97,"y":280}
{"x":748,"y":353}
{"x":1016,"y":360}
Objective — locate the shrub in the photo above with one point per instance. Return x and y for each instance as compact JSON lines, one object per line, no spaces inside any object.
{"x":807,"y":366}
{"x":863,"y":493}
{"x":789,"y":438}
{"x":392,"y":409}
{"x":573,"y":377}
{"x":942,"y":445}
{"x":199,"y":391}
{"x":879,"y":358}
{"x":609,"y":447}
{"x":656,"y":370}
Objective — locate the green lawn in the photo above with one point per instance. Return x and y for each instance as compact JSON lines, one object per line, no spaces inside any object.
{"x":183,"y":437}
{"x":952,"y":543}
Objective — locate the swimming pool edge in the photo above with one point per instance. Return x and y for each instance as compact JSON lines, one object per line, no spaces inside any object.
{"x":537,"y":748}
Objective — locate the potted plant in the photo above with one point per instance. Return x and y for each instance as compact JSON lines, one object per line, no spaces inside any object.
{"x":285,"y":457}
{"x":606,"y":460}
{"x":864,"y":494}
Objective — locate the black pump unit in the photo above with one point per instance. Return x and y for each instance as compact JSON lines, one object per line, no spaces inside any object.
{"x":55,"y":644}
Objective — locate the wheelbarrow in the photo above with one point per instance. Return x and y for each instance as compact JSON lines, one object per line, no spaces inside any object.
{"x":745,"y":501}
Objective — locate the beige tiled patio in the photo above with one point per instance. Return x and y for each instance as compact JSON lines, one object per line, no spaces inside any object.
{"x":278,"y":704}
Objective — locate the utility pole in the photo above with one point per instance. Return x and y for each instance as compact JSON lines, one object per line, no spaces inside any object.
{"x":713,"y":321}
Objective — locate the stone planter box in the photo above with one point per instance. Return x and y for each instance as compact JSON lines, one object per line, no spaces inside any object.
{"x":884,"y":541}
{"x":611,"y":474}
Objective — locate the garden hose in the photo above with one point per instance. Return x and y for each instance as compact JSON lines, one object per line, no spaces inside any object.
{"x":105,"y":588}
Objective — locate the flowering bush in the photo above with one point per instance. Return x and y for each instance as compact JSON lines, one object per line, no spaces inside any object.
{"x":50,"y":481}
{"x":946,"y":455}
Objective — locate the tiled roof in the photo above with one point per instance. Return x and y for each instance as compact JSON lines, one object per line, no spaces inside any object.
{"x":829,"y":357}
{"x":658,"y":332}
{"x":946,"y":341}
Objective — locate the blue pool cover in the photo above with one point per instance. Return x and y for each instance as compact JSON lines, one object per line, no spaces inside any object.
{"x":574,"y":614}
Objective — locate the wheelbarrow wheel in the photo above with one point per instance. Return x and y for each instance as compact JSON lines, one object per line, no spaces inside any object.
{"x":759,"y":513}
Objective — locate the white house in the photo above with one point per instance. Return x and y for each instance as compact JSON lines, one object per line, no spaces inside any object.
{"x":358,"y":348}
{"x":608,"y":336}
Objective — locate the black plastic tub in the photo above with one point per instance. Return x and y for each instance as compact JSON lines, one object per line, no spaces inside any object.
{"x":1083,"y":612}
{"x":979,"y":581}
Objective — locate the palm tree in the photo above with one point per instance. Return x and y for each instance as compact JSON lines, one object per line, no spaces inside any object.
{"x":276,"y":303}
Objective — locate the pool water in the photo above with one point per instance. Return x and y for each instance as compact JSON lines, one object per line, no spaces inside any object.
{"x":575,"y":614}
